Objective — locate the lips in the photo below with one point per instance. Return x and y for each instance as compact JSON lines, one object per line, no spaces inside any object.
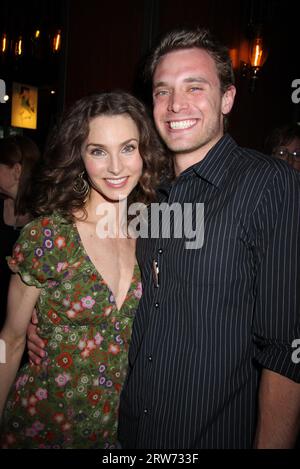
{"x":182,"y":124}
{"x":116,"y":182}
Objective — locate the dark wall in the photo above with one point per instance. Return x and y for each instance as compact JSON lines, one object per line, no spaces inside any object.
{"x":37,"y":66}
{"x":107,"y":41}
{"x":104,"y":45}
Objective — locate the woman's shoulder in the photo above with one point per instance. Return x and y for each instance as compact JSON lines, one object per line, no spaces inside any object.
{"x":42,"y":249}
{"x":55,"y":222}
{"x":54,"y":230}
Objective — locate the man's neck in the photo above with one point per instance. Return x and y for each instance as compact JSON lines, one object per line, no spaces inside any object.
{"x":183,"y":161}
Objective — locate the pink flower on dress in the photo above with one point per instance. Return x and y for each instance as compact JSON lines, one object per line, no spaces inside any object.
{"x":66,"y":426}
{"x":88,"y":302}
{"x":24,"y":402}
{"x":61,"y":266}
{"x":66,"y":302}
{"x":62,"y":379}
{"x":114,"y":349}
{"x":91,"y":344}
{"x":32,"y":400}
{"x":98,"y":338}
{"x":41,"y":394}
{"x":85,"y":353}
{"x":38,"y":426}
{"x":17,"y":248}
{"x":32,"y":411}
{"x":71,"y":314}
{"x":76,"y":306}
{"x":138,"y":291}
{"x":31,"y":432}
{"x":81,"y":344}
{"x":58,"y":417}
{"x":21,"y":381}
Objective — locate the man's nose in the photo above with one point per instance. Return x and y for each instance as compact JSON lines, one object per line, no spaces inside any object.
{"x":177,"y":102}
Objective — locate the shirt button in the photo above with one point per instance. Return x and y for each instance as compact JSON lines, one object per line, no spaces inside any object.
{"x":156,"y":305}
{"x":146,"y":411}
{"x":160,"y":251}
{"x":149,"y":358}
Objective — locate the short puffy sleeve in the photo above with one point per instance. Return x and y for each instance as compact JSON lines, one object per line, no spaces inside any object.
{"x":40,"y":251}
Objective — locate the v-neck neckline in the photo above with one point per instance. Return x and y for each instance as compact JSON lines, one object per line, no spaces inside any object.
{"x":100,"y":275}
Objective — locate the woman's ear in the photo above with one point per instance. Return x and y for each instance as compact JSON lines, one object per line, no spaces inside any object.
{"x":17,"y":171}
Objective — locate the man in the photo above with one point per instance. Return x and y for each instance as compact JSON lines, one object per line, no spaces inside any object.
{"x":222,"y":321}
{"x":216,"y":325}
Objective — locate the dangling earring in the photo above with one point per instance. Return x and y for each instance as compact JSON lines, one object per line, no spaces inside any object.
{"x":81,"y":186}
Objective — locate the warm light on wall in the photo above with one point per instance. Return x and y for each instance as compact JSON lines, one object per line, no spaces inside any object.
{"x":37,"y":34}
{"x":3,"y":43}
{"x":19,"y":46}
{"x":257,"y":52}
{"x":56,"y":43}
{"x":257,"y":58}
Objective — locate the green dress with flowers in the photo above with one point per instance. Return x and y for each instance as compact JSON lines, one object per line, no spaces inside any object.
{"x":70,"y":400}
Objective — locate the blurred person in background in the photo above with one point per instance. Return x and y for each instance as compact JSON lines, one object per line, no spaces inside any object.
{"x":18,"y":158}
{"x":284,"y":143}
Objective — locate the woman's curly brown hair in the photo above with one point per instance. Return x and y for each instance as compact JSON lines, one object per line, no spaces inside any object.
{"x":62,"y":163}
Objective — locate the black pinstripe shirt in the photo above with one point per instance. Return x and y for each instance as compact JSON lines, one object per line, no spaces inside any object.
{"x":221,"y":312}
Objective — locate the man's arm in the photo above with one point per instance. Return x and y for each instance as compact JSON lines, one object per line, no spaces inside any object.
{"x":35,"y":344}
{"x":21,"y":301}
{"x":279,"y":412}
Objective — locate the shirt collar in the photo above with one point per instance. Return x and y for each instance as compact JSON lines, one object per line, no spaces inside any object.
{"x":215,"y":164}
{"x":212,"y":168}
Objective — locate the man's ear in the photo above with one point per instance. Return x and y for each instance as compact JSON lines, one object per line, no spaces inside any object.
{"x":17,"y":171}
{"x":228,"y":99}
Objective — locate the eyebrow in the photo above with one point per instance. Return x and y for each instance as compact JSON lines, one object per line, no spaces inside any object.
{"x":104,"y":146}
{"x":186,"y":80}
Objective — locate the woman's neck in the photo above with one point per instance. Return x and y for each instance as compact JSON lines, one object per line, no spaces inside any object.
{"x":109,"y":217}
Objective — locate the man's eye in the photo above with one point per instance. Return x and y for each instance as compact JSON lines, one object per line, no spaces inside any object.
{"x":196,"y":88}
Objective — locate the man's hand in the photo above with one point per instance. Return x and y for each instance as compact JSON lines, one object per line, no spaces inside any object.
{"x":34,"y":343}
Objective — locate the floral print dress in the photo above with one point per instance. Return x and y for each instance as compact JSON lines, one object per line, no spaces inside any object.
{"x":70,"y":400}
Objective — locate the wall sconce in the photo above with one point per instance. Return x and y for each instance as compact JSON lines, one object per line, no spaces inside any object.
{"x":257,"y":58}
{"x":4,"y":43}
{"x":19,"y":48}
{"x":56,"y":41}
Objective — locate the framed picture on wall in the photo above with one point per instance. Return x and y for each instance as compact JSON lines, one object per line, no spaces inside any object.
{"x":24,"y":106}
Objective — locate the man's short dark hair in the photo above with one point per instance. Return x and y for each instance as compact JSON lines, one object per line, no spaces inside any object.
{"x":193,"y":38}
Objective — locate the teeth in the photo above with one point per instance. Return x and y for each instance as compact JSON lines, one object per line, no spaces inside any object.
{"x":116,"y":181}
{"x":182,"y":124}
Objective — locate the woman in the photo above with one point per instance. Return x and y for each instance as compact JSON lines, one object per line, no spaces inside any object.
{"x":18,"y":158}
{"x":86,"y":286}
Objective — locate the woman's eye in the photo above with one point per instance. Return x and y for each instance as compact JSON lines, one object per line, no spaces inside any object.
{"x":129,"y":148}
{"x":161,"y":93}
{"x":97,"y":152}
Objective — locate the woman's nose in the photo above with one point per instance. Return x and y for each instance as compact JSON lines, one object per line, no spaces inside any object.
{"x":115,"y":165}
